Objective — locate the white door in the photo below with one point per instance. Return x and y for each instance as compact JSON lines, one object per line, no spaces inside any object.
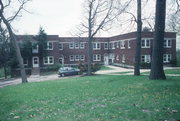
{"x":35,"y":62}
{"x":106,"y":59}
{"x":61,"y":61}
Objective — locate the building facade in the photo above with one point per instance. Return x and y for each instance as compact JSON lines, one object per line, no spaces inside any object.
{"x":117,"y":50}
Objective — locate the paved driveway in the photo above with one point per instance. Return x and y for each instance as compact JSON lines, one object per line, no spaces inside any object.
{"x":34,"y":78}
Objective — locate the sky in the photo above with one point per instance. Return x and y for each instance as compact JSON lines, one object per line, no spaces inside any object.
{"x":61,"y":17}
{"x":55,"y":16}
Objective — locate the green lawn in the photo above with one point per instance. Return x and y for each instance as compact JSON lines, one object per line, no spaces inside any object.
{"x":105,"y":68}
{"x":168,"y":71}
{"x":96,"y":98}
{"x":122,"y":72}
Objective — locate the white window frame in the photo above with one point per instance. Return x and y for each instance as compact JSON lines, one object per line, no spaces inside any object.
{"x":71,"y":45}
{"x":117,"y":44}
{"x":112,"y":45}
{"x":147,"y":58}
{"x":122,"y":44}
{"x":129,"y":43}
{"x":25,"y":61}
{"x":106,"y":46}
{"x":82,"y":57}
{"x":71,"y":58}
{"x":48,"y":45}
{"x":167,"y":58}
{"x":166,"y":43}
{"x":145,"y":43}
{"x":60,"y":46}
{"x":95,"y":46}
{"x":48,"y":60}
{"x":96,"y":57}
{"x":76,"y":57}
{"x":76,"y":45}
{"x":82,"y":45}
{"x":117,"y":57}
{"x":123,"y":58}
{"x":35,"y":48}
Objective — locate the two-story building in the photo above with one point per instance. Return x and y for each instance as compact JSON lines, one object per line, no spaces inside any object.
{"x":118,"y":50}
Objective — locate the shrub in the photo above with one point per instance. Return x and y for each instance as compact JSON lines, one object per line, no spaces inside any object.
{"x":94,"y":67}
{"x":54,"y":67}
{"x":173,"y":62}
{"x":145,"y":65}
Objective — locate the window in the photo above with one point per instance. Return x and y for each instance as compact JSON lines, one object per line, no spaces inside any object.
{"x":145,"y":43}
{"x":129,"y":44}
{"x":117,"y":57}
{"x":117,"y":44}
{"x":82,"y":46}
{"x":48,"y":60}
{"x":167,"y":43}
{"x":145,"y":59}
{"x":122,"y":44}
{"x":96,"y":57}
{"x":35,"y":48}
{"x":166,"y":58}
{"x":25,"y":61}
{"x":49,"y":45}
{"x":71,"y":45}
{"x":60,"y":46}
{"x":106,"y":46}
{"x":71,"y":58}
{"x":96,"y":46}
{"x":45,"y":60}
{"x":111,"y":45}
{"x":123,"y":58}
{"x":82,"y":57}
{"x":76,"y":57}
{"x":76,"y":45}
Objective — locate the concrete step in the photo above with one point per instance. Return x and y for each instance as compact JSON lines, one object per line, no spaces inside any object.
{"x":35,"y":71}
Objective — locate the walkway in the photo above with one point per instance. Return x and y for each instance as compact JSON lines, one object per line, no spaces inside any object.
{"x":124,"y":71}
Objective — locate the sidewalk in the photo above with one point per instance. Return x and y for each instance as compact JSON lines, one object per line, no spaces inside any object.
{"x":115,"y":70}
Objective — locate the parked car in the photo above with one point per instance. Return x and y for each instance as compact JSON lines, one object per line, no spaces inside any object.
{"x":67,"y":71}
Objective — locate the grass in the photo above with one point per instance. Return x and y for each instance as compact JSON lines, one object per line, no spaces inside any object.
{"x":96,"y":98}
{"x":168,"y":71}
{"x":105,"y":68}
{"x":122,"y":72}
{"x":48,"y":73}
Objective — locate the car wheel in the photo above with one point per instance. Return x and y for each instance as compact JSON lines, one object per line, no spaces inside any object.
{"x":62,"y":75}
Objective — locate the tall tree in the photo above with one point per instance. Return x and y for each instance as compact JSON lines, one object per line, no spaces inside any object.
{"x":100,"y":15}
{"x":42,"y":43}
{"x":138,"y":40}
{"x":4,"y":50}
{"x":157,"y":71}
{"x":12,"y":36}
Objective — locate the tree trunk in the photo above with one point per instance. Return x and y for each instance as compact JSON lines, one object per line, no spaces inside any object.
{"x":89,"y":56}
{"x":18,"y":53}
{"x":138,"y":40}
{"x":157,"y":71}
{"x":5,"y":72}
{"x":90,"y":38}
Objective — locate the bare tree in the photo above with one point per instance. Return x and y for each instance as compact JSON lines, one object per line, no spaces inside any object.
{"x":157,"y":71}
{"x":11,"y":33}
{"x":100,"y":16}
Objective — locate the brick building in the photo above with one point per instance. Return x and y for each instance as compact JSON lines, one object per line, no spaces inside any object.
{"x":117,"y":50}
